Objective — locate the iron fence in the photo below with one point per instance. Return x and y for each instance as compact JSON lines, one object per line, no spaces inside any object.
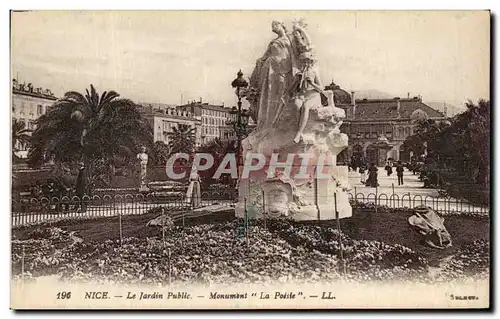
{"x":33,"y":210}
{"x":441,"y":204}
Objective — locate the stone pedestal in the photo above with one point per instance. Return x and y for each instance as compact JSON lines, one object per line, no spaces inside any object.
{"x":316,"y":195}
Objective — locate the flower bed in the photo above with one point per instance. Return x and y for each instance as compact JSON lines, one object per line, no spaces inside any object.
{"x":277,"y":250}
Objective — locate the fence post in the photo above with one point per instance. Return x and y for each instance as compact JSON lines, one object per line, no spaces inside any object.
{"x":376,"y":196}
{"x":246,"y":221}
{"x":409,"y":199}
{"x":120,"y":222}
{"x":393,"y":196}
{"x":337,"y":217}
{"x":264,"y":208}
{"x":22,"y":266}
{"x":163,"y":225}
{"x":169,"y":268}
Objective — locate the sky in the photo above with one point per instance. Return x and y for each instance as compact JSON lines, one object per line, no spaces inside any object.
{"x":178,"y":56}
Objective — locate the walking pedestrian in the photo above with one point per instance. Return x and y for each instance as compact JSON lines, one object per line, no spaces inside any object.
{"x":399,"y":171}
{"x":372,"y":180}
{"x":388,"y":168}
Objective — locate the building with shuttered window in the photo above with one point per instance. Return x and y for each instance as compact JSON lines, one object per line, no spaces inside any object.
{"x":377,"y":128}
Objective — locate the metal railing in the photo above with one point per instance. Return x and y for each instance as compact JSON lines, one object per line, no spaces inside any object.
{"x":441,"y":204}
{"x":34,"y":210}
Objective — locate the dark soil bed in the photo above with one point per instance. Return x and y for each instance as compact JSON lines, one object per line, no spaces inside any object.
{"x":386,"y":226}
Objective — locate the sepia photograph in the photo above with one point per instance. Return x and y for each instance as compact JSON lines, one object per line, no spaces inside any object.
{"x":250,"y":159}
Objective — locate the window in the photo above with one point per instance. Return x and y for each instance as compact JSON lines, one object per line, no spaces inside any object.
{"x":39,"y":109}
{"x":401,"y":133}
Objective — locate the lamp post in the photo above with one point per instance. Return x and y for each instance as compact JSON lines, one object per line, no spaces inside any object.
{"x":357,"y":156}
{"x":239,"y":83}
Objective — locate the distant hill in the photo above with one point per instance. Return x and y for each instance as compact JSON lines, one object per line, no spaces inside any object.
{"x":158,"y":105}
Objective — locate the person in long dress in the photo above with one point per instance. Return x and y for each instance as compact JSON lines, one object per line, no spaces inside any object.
{"x":193,"y":194}
{"x":363,"y":172}
{"x":388,"y":168}
{"x":372,"y":180}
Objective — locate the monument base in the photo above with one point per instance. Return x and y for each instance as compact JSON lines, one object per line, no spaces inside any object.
{"x":319,"y":200}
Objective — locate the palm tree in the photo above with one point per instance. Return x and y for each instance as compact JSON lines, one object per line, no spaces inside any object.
{"x":160,"y":152}
{"x":218,"y":149}
{"x":182,"y":139}
{"x":102,"y":132}
{"x":20,"y":134}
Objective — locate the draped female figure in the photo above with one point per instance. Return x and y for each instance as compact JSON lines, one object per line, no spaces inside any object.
{"x":272,"y":77}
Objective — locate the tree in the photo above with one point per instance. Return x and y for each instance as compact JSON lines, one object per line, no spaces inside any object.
{"x":458,"y":150}
{"x":471,"y":135}
{"x":182,"y":139}
{"x":218,"y":149}
{"x":161,"y":152}
{"x":102,"y":132}
{"x":429,"y":136}
{"x":20,"y":135}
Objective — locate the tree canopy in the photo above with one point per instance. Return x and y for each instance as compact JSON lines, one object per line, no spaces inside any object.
{"x":182,"y":139}
{"x":459,"y":148}
{"x":102,"y":131}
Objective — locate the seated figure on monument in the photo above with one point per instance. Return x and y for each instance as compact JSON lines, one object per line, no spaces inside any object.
{"x":294,"y":116}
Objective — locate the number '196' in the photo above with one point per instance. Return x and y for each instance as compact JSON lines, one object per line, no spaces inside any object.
{"x":64,"y":295}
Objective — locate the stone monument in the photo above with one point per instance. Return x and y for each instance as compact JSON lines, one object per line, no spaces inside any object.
{"x":143,"y":162}
{"x":297,"y":123}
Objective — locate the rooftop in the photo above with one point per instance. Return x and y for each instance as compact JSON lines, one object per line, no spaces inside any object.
{"x":170,"y":112}
{"x":29,"y":90}
{"x":384,"y":109}
{"x":206,"y":106}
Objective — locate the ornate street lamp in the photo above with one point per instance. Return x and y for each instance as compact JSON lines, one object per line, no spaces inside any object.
{"x":240,"y":84}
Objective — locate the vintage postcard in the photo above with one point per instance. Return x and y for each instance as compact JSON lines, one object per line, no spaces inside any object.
{"x":250,"y":160}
